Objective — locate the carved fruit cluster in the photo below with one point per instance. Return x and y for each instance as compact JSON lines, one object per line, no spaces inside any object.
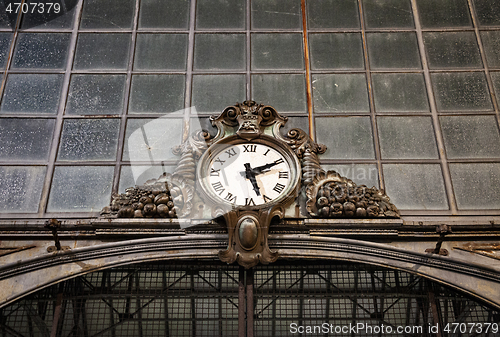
{"x":153,"y":201}
{"x":340,"y":200}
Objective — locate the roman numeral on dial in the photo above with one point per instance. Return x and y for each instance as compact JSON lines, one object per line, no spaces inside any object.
{"x":231,"y":198}
{"x":218,"y":188}
{"x":249,"y":148}
{"x":231,"y":152}
{"x":279,"y":188}
{"x":283,"y":175}
{"x":249,"y":202}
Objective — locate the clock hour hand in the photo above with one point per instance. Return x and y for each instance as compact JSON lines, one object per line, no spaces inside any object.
{"x":261,"y":169}
{"x":249,"y":174}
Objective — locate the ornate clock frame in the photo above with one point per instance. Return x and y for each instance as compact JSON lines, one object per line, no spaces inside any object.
{"x":327,"y":194}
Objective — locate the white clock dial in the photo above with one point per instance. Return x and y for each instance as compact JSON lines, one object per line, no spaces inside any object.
{"x":249,"y":174}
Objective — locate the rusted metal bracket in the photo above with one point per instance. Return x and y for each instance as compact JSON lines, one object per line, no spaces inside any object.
{"x":54,"y":225}
{"x":443,"y":230}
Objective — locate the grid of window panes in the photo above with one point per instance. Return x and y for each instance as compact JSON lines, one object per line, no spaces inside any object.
{"x":403,"y":94}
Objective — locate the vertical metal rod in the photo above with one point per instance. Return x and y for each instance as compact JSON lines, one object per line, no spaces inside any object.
{"x":57,"y":314}
{"x":250,"y":308}
{"x":165,"y":301}
{"x":241,"y":303}
{"x":434,"y":309}
{"x":189,"y":69}
{"x":308,"y":70}
{"x":248,"y":74}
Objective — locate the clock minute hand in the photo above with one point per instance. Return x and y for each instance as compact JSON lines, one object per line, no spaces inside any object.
{"x":250,"y":174}
{"x":261,"y":169}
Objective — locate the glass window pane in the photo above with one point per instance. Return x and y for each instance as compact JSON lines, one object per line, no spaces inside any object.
{"x":41,"y":50}
{"x":151,"y":140}
{"x":161,"y":51}
{"x":212,"y":14}
{"x":452,"y":49}
{"x":393,"y":50}
{"x":388,"y":13}
{"x":96,"y":94}
{"x":277,"y":51}
{"x":495,"y":77}
{"x":415,"y":186}
{"x":102,"y":51}
{"x":139,"y":174}
{"x":443,"y":13}
{"x":276,"y":14}
{"x":476,"y":186}
{"x":336,"y":51}
{"x":32,"y":93}
{"x":488,"y":12}
{"x":491,"y":43}
{"x":461,"y":91}
{"x":89,"y":139}
{"x":157,"y":93}
{"x":164,"y":14}
{"x":361,"y":174}
{"x":80,"y":188}
{"x":333,"y":14}
{"x":21,"y":188}
{"x":211,"y":93}
{"x":219,"y":51}
{"x":5,"y":40}
{"x":340,"y":92}
{"x":110,"y":14}
{"x":285,"y":92}
{"x":25,"y":139}
{"x":471,"y":136}
{"x":407,"y":138}
{"x":51,"y":20}
{"x":399,"y":93}
{"x":346,"y":137}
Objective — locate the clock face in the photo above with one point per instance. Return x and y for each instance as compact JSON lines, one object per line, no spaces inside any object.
{"x":249,"y":174}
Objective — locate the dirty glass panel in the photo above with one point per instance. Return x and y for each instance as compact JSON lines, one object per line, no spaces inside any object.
{"x":277,"y":51}
{"x":161,"y":52}
{"x":495,"y":77}
{"x":5,"y":40}
{"x":336,"y":51}
{"x":393,"y":50}
{"x":80,"y":188}
{"x":276,"y":14}
{"x":443,"y":13}
{"x":407,"y":138}
{"x":139,"y":174}
{"x":21,"y":188}
{"x":62,"y":20}
{"x":415,"y":186}
{"x":340,"y":92}
{"x":157,"y":93}
{"x":399,"y":92}
{"x":151,"y":140}
{"x":471,"y":136}
{"x":491,"y":44}
{"x":476,"y":186}
{"x":102,"y":51}
{"x":461,"y":91}
{"x":109,"y":14}
{"x":212,"y":92}
{"x":333,"y":14}
{"x":219,"y":51}
{"x":41,"y":50}
{"x":345,"y":137}
{"x":452,"y":49}
{"x":388,"y":13}
{"x":25,"y":139}
{"x":164,"y":14}
{"x":361,"y":174}
{"x":89,"y":139}
{"x":220,"y":14}
{"x":285,"y":92}
{"x":488,"y":12}
{"x":32,"y":93}
{"x":96,"y":94}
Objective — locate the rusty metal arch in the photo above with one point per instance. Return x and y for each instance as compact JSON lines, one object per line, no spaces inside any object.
{"x":33,"y":269}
